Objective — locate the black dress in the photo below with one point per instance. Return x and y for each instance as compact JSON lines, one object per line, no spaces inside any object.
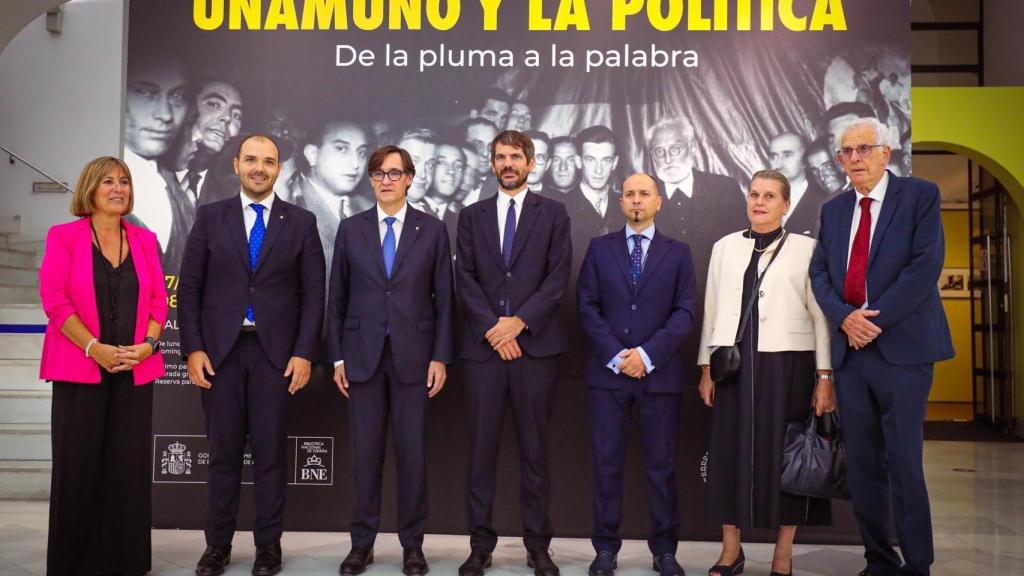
{"x":748,"y":426}
{"x":100,"y":491}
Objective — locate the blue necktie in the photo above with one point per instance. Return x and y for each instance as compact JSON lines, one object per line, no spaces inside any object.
{"x":256,"y":236}
{"x":636,"y":259}
{"x":510,"y":233}
{"x":388,"y":246}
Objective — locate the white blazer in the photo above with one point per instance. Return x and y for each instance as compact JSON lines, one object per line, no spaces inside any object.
{"x":789,"y":316}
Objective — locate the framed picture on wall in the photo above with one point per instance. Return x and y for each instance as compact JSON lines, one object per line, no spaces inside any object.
{"x":953,"y":283}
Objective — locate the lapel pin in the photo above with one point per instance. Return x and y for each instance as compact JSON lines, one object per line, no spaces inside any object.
{"x":417,"y":228}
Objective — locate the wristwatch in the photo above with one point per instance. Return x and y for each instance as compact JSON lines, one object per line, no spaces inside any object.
{"x":153,"y":342}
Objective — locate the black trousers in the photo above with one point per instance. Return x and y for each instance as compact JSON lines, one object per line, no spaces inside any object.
{"x":526,"y":385}
{"x":659,"y":415}
{"x":100,"y":514}
{"x":249,"y":399}
{"x":883,"y":406}
{"x":371,"y":405}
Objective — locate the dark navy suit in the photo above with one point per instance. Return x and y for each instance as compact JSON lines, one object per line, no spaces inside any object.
{"x":531,"y":288}
{"x":388,"y":330}
{"x":657,"y":317}
{"x":250,"y":393}
{"x":882,"y":389}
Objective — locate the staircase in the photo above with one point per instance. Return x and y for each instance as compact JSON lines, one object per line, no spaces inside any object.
{"x":25,"y":460}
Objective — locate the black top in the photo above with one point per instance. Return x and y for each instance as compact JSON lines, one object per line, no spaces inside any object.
{"x":117,"y":316}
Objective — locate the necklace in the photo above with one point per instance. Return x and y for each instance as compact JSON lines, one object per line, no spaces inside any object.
{"x":113,"y":276}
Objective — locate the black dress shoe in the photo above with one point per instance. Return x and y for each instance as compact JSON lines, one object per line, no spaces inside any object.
{"x":604,"y":564}
{"x":541,"y":562}
{"x":666,"y":565}
{"x":268,"y":560}
{"x":478,"y":561}
{"x":356,"y":561}
{"x":414,"y":563}
{"x":214,"y":560}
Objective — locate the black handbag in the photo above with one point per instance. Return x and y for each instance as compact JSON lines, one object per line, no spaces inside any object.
{"x":725,"y":360}
{"x":814,"y":464}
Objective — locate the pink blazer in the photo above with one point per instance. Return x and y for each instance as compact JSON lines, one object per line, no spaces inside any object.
{"x":67,"y":287}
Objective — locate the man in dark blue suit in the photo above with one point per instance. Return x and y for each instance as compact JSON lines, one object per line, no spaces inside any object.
{"x":250,"y":311}
{"x":875,"y":274}
{"x":636,"y":295}
{"x":390,"y":335}
{"x":512,"y":268}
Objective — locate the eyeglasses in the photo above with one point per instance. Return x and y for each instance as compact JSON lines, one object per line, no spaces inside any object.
{"x":863,"y":151}
{"x":673,"y":151}
{"x":393,"y":175}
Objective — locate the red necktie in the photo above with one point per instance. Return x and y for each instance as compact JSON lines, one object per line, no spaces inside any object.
{"x":855,"y":291}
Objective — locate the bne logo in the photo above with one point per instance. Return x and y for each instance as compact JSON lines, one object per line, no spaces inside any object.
{"x":314,"y":469}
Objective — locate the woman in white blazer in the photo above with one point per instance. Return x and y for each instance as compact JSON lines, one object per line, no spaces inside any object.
{"x":785,"y":370}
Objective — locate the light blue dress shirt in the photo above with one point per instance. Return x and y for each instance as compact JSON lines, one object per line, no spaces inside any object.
{"x":645,"y":244}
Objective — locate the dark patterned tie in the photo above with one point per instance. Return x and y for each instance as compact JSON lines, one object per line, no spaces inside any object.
{"x":636,"y":259}
{"x":256,"y":236}
{"x":510,"y":233}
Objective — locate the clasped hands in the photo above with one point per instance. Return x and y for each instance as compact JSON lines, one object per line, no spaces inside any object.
{"x":199,"y":365}
{"x":860,"y":331}
{"x":119,"y":358}
{"x":632,"y":363}
{"x":502,"y":337}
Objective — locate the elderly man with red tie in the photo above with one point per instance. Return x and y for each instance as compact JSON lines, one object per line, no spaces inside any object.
{"x":875,"y":274}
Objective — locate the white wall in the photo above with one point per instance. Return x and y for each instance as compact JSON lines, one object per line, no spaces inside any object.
{"x":60,"y":106}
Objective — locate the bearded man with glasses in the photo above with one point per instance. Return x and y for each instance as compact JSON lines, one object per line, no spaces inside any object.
{"x":390,"y":314}
{"x":697,"y":207}
{"x":875,"y":275}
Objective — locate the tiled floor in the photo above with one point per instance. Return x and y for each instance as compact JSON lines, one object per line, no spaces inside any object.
{"x":977,"y":494}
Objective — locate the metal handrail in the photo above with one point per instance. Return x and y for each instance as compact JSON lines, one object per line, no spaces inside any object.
{"x":12,"y":156}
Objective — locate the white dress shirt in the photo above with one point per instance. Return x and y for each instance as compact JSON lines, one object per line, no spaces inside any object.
{"x":152,"y":199}
{"x":685,"y":186}
{"x":597,"y":198}
{"x":249,"y":218}
{"x":877,"y":195}
{"x":336,"y":203}
{"x":503,"y":198}
{"x":397,"y":226}
{"x":182,"y":176}
{"x":796,"y":193}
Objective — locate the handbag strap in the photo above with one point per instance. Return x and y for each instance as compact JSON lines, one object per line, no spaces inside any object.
{"x":757,"y":285}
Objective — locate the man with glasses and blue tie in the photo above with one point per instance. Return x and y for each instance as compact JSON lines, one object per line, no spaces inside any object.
{"x":390,"y":334}
{"x":875,"y":275}
{"x":512,"y":269}
{"x":250,"y":312}
{"x":636,"y":296}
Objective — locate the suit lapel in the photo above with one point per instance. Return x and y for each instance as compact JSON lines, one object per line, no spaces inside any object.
{"x":410,"y":232}
{"x":489,"y":210}
{"x":527,"y":218}
{"x":622,"y":256}
{"x":840,"y":252}
{"x":655,"y":254}
{"x":371,"y":232}
{"x":889,"y":205}
{"x":236,"y":228}
{"x":278,"y":220}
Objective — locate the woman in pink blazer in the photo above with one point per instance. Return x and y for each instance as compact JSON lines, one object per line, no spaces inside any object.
{"x":103,"y":291}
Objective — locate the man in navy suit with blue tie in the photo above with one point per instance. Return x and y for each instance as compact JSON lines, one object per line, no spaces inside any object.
{"x":512,"y":269}
{"x":636,"y":295}
{"x":390,"y":335}
{"x":250,"y":311}
{"x":875,"y":273}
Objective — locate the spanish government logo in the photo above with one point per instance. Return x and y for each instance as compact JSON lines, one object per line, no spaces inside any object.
{"x":176,"y":460}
